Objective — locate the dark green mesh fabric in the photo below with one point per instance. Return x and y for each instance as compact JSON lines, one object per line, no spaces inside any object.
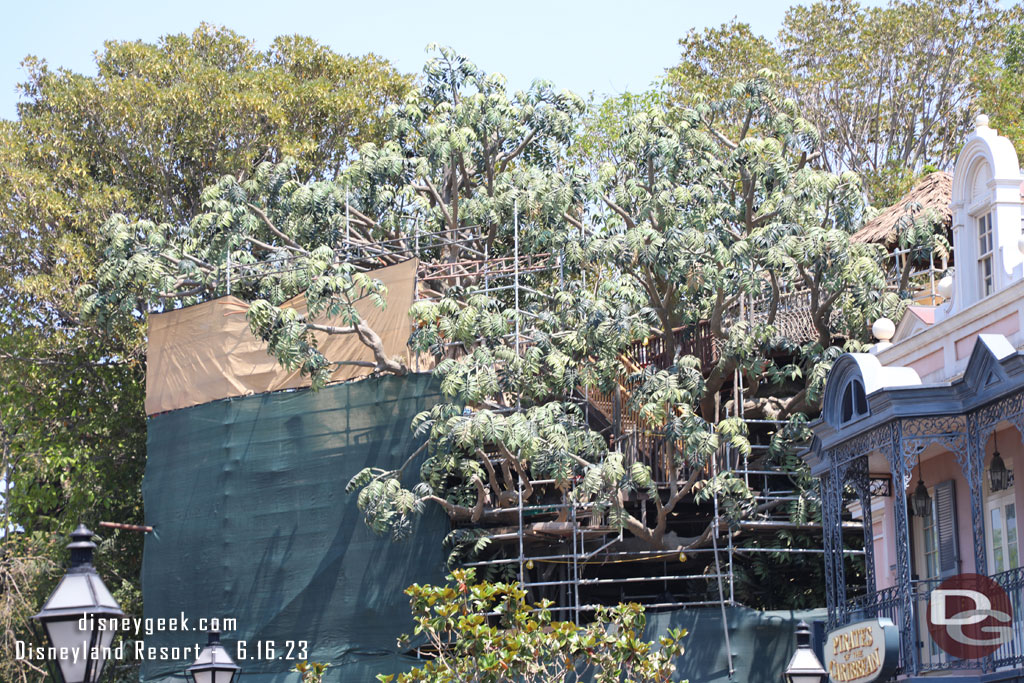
{"x":251,"y":521}
{"x":761,"y":642}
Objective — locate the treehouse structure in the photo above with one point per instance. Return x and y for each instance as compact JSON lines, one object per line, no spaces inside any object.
{"x":247,"y":470}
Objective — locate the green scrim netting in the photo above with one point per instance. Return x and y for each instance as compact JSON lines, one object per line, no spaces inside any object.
{"x":761,"y":642}
{"x":251,"y":521}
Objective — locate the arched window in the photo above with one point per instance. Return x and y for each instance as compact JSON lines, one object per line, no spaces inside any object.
{"x":855,"y":402}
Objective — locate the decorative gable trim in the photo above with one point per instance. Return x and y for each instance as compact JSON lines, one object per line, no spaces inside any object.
{"x":912,"y":322}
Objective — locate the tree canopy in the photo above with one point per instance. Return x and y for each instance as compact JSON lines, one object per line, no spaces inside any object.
{"x":142,"y":138}
{"x":892,"y":89}
{"x":711,"y":216}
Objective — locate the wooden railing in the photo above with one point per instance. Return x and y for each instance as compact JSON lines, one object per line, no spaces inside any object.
{"x":639,"y":440}
{"x":690,"y":340}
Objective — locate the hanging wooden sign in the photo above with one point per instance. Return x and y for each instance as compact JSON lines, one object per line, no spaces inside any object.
{"x":862,"y":652}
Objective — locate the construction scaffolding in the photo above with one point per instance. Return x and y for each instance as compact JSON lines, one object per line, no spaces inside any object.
{"x":538,"y":531}
{"x":559,"y":548}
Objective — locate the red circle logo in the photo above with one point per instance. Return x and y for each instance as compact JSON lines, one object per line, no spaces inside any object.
{"x":970,"y":616}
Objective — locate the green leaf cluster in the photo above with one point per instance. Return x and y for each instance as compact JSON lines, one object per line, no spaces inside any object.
{"x":489,"y":633}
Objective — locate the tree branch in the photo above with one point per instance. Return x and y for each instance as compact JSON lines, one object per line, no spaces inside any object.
{"x":270,"y":226}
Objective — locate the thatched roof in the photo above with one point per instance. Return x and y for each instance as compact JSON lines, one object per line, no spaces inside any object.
{"x":934,"y":191}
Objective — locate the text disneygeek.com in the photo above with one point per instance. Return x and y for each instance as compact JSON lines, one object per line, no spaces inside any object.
{"x":133,"y":647}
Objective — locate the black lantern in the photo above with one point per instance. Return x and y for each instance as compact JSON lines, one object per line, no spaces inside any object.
{"x":80,"y":615}
{"x":804,"y":666}
{"x":214,"y":664}
{"x":920,"y":501}
{"x":999,"y":476}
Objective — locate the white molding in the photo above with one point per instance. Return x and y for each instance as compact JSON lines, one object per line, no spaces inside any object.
{"x":944,"y":334}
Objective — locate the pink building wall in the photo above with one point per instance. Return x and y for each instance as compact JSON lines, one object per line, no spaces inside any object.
{"x":939,"y":466}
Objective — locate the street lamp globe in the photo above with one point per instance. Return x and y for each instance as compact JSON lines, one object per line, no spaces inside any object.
{"x":80,"y":600}
{"x":804,"y":666}
{"x":214,"y":664}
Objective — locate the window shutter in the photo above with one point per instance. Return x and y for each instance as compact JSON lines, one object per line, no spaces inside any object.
{"x":946,"y":529}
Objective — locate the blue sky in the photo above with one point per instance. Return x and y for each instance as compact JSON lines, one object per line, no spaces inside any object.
{"x":600,"y":46}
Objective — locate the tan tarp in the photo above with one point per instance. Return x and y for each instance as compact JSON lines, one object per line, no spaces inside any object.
{"x":206,"y":352}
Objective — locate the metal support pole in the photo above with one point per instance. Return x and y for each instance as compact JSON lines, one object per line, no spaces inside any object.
{"x":907,"y":621}
{"x":931,"y":277}
{"x":718,"y":571}
{"x":575,"y":563}
{"x":515,"y":229}
{"x":522,"y":561}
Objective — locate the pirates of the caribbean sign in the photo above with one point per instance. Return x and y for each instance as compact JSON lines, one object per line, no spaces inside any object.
{"x":863,"y":652}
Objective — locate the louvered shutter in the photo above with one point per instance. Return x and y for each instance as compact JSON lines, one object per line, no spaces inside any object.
{"x":946,"y":529}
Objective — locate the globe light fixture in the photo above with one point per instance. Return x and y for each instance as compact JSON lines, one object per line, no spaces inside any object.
{"x":80,"y":615}
{"x":214,"y":664}
{"x":804,"y":666}
{"x":944,"y":288}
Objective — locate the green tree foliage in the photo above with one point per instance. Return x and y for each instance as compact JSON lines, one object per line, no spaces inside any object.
{"x":891,"y":88}
{"x":714,"y":59}
{"x":142,"y":138}
{"x":463,"y":153}
{"x":311,"y":672}
{"x":1000,"y":92}
{"x":523,"y":643}
{"x":716,"y":213}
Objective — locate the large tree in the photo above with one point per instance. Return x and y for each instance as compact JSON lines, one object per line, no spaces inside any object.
{"x":142,"y":138}
{"x":893,"y":90}
{"x":689,"y":225}
{"x":705,"y":211}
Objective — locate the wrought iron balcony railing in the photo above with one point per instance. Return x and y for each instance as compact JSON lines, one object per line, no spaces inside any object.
{"x":918,"y":651}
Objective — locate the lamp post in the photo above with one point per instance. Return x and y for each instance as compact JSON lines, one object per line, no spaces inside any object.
{"x":804,"y":666}
{"x":80,"y":600}
{"x":214,"y":664}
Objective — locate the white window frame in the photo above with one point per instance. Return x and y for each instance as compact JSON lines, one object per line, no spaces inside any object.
{"x":985,"y":241}
{"x":1000,"y":501}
